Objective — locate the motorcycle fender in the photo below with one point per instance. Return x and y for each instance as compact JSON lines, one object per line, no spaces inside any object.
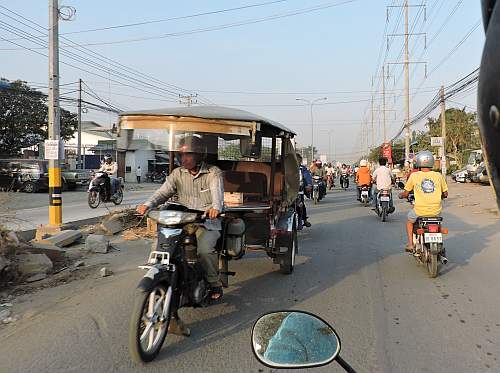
{"x":285,"y":224}
{"x":436,"y":248}
{"x":150,"y":279}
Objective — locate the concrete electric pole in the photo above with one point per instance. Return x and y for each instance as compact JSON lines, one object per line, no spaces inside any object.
{"x":54,"y":127}
{"x":443,"y":132}
{"x":311,"y":104}
{"x":79,"y":150}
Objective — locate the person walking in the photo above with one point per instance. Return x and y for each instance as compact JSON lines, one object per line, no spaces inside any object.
{"x":138,"y":174}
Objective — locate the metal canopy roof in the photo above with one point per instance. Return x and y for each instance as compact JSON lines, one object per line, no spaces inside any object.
{"x":211,"y":112}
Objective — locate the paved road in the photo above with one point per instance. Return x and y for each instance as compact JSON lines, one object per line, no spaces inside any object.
{"x":351,"y":270}
{"x":31,"y":210}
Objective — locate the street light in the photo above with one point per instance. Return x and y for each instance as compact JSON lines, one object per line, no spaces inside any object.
{"x":311,"y":103}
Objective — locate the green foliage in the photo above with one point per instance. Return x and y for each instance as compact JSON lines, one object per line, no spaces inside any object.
{"x":24,"y":118}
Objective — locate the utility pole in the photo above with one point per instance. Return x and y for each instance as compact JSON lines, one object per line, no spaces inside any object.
{"x":406,"y":66}
{"x":79,"y":150}
{"x":385,"y":75}
{"x":311,"y":104}
{"x":188,"y":100}
{"x":407,"y":87}
{"x":373,"y":128}
{"x":55,"y":190}
{"x":443,"y":132}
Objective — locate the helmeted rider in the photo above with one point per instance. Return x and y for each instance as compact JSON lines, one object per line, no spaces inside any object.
{"x":305,"y":186}
{"x":330,"y":173}
{"x":363,"y":178}
{"x":429,"y":187}
{"x":319,"y":170}
{"x":111,"y":168}
{"x":383,"y":179}
{"x":198,"y":186}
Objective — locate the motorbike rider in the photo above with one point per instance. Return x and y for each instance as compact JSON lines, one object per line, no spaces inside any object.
{"x":198,"y":186}
{"x":330,"y":173}
{"x":111,"y":168}
{"x":383,"y":179}
{"x":305,"y":187}
{"x":320,"y":171}
{"x":344,"y":171}
{"x":363,"y":178}
{"x":429,"y":187}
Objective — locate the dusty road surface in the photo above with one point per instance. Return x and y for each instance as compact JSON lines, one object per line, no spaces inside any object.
{"x":351,"y":270}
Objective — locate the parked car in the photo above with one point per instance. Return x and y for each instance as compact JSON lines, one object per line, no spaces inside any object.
{"x":461,"y":176}
{"x":481,"y":175}
{"x":26,"y":175}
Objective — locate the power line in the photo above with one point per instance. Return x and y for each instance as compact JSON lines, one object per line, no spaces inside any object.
{"x":223,"y":26}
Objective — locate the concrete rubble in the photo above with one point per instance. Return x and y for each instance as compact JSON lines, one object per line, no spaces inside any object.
{"x":64,"y":238}
{"x":32,"y":264}
{"x":97,"y":243}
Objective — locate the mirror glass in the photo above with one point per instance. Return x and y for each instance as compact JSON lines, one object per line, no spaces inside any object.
{"x":294,"y":340}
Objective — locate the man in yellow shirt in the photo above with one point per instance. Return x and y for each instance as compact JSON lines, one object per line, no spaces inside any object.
{"x":429,"y":188}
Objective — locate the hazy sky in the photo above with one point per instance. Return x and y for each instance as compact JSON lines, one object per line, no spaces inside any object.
{"x":260,"y":67}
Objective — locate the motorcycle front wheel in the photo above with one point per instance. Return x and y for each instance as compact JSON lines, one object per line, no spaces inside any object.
{"x":94,"y":199}
{"x":148,"y":326}
{"x":383,"y":214}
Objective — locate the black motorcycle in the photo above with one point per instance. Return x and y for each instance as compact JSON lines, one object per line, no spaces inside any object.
{"x":175,"y":277}
{"x":98,"y":192}
{"x":365,"y":194}
{"x":344,"y":181}
{"x":318,"y":190}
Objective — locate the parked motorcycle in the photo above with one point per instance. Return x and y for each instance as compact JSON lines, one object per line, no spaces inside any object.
{"x":317,"y":193}
{"x":97,"y":190}
{"x":428,"y":240}
{"x":365,"y":194}
{"x":296,"y":340}
{"x":382,"y":208}
{"x":344,"y":181}
{"x":175,"y":277}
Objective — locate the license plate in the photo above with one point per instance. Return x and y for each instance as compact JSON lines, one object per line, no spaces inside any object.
{"x":385,"y":199}
{"x":433,"y":237}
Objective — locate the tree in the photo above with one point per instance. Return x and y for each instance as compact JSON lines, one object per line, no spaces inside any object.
{"x":462,"y":133}
{"x":24,"y":118}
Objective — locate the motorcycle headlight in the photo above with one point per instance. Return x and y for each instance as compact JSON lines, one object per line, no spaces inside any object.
{"x":173,"y":217}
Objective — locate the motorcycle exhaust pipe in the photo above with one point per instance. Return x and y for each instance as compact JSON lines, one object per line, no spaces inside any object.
{"x":444,"y":260}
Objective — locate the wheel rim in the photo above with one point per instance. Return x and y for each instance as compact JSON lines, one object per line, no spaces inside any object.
{"x":119,"y":199}
{"x":153,"y":325}
{"x":28,"y":188}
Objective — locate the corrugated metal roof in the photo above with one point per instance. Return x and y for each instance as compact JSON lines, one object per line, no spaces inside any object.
{"x":211,"y":112}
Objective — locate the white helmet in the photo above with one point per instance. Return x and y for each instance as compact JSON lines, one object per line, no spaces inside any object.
{"x":363,"y":163}
{"x":424,"y":159}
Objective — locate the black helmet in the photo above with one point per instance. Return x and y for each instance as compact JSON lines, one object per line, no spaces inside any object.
{"x":108,"y":157}
{"x":191,"y":144}
{"x":489,"y":92}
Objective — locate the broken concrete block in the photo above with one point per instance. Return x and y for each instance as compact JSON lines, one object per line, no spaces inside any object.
{"x":32,"y":264}
{"x":10,"y":319}
{"x":97,"y":243}
{"x":105,"y":272}
{"x":113,"y":224}
{"x":79,"y":263}
{"x":52,"y":251}
{"x":4,"y":314}
{"x":37,"y":277}
{"x":64,"y":238}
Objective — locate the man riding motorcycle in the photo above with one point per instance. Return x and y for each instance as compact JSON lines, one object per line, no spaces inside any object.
{"x":363,"y":178}
{"x":330,"y":175}
{"x":429,"y":187}
{"x":198,"y":186}
{"x":111,"y":168}
{"x":319,"y":170}
{"x":383,"y":179}
{"x":305,"y":187}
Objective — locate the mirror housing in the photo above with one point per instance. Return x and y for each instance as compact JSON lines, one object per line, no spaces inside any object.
{"x":294,"y":339}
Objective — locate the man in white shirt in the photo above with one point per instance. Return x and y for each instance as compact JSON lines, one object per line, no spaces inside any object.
{"x":111,"y":168}
{"x":383,"y":179}
{"x":138,"y":174}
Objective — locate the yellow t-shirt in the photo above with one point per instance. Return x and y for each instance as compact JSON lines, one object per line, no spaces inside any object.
{"x":428,"y":187}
